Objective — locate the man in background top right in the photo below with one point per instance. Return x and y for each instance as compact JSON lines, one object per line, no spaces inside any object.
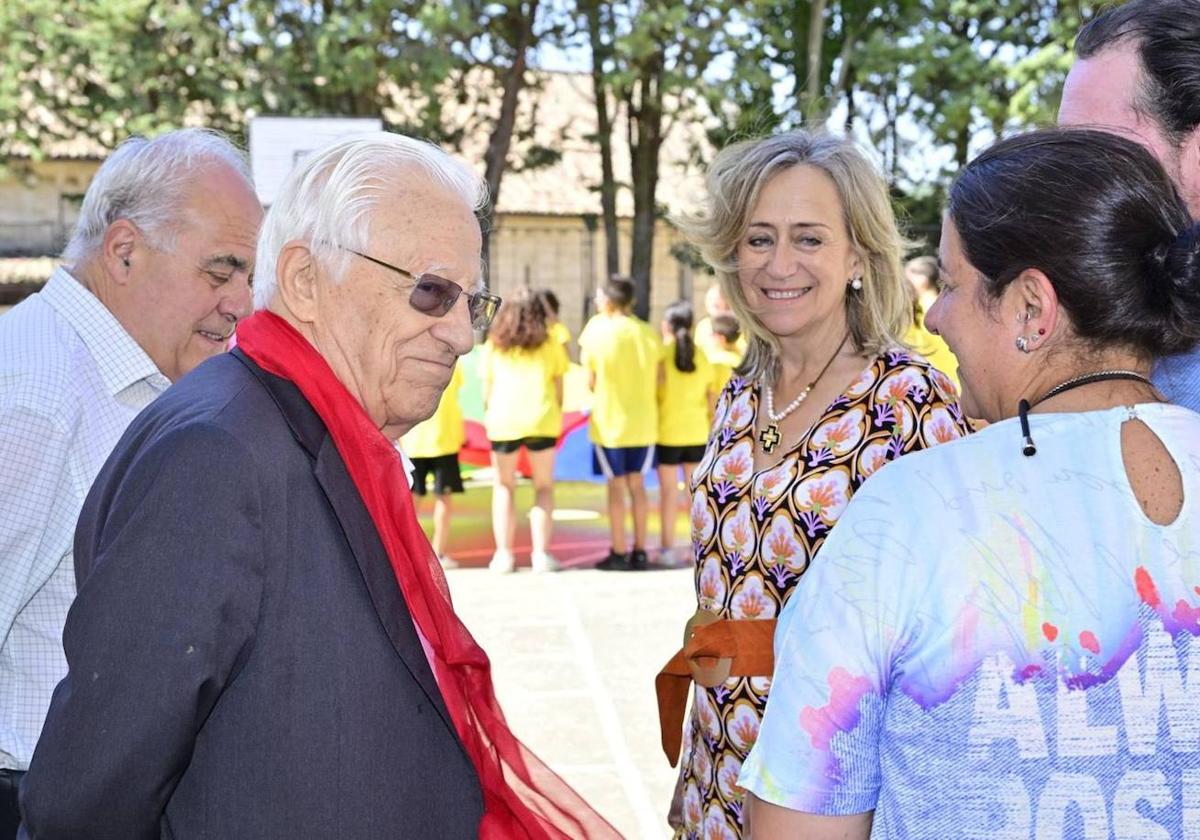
{"x":1137,"y":73}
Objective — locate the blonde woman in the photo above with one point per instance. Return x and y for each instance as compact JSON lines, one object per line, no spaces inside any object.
{"x":800,"y":232}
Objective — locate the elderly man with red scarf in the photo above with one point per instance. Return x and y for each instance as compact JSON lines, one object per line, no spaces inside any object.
{"x":263,"y":645}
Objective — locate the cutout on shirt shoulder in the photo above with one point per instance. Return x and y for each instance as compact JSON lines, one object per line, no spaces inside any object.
{"x":1152,"y":473}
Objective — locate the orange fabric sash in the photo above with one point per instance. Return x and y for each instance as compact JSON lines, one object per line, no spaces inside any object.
{"x":714,"y":650}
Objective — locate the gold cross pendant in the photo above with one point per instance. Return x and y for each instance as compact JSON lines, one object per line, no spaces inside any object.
{"x":769,"y":438}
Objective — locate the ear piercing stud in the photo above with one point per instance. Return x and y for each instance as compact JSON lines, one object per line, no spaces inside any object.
{"x":1025,"y":344}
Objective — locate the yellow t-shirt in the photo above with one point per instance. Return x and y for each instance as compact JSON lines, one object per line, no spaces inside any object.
{"x":623,"y":353}
{"x":685,"y":401}
{"x":932,"y":347}
{"x":443,"y":433}
{"x":522,"y":401}
{"x":723,"y":362}
{"x":559,"y":332}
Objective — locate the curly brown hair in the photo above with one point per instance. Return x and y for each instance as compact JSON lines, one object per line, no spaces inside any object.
{"x":521,"y":322}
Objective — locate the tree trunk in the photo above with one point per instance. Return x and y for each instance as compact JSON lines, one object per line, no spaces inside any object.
{"x":842,"y":81}
{"x":644,"y":158}
{"x":813,"y":76}
{"x":962,"y":146}
{"x":608,"y":183}
{"x":496,"y":157}
{"x":851,"y":103}
{"x":799,"y":29}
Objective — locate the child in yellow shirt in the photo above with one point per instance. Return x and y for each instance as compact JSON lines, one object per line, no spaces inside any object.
{"x":522,"y":371}
{"x":925,"y":285}
{"x":555,"y":327}
{"x":706,"y":331}
{"x":723,"y":347}
{"x":621,"y":355}
{"x":433,"y":446}
{"x":688,"y":388}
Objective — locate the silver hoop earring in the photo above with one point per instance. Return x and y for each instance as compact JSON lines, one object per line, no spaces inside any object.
{"x":856,"y":283}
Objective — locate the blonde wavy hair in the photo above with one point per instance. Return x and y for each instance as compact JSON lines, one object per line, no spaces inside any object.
{"x":879,"y":313}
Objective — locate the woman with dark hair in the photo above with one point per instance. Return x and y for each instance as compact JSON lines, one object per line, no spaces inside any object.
{"x":522,"y":370}
{"x":999,"y":639}
{"x":688,"y":387}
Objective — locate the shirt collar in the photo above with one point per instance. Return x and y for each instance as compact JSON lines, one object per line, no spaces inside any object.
{"x":120,"y":360}
{"x":409,"y":466}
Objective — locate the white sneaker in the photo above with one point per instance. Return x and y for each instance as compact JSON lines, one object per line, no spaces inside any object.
{"x":448,"y":562}
{"x":544,"y":561}
{"x":502,"y":561}
{"x":673,"y":558}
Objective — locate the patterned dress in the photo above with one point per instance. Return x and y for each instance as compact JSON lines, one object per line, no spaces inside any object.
{"x":754,"y":535}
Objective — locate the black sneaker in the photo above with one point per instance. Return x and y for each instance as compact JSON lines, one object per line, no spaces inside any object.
{"x":638,"y":562}
{"x":614,"y":562}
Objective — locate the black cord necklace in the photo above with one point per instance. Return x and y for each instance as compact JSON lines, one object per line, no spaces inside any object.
{"x":1029,"y":448}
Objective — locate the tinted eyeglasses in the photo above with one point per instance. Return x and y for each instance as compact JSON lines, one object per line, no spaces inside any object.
{"x":433,"y":295}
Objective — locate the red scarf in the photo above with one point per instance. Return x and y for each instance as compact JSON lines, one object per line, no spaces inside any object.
{"x":522,"y":797}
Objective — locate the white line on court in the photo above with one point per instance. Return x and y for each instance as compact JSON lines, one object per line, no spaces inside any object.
{"x":650,"y":822}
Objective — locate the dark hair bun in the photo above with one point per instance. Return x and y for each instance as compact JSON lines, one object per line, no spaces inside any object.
{"x":1099,"y":216}
{"x":1177,"y":266}
{"x":1181,"y":260}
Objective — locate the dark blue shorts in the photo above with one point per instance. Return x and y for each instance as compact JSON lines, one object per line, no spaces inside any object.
{"x":614,"y":462}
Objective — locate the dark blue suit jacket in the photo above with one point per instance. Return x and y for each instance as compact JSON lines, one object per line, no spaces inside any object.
{"x":242,"y":663}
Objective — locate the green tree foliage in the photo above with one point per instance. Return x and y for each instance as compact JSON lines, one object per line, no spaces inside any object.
{"x":325,"y":58}
{"x":926,"y":81}
{"x":107,"y":70}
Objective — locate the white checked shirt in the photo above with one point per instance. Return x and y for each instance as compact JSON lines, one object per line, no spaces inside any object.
{"x":71,"y":380}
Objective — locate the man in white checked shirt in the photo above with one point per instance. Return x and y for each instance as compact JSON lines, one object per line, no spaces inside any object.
{"x":158,"y":275}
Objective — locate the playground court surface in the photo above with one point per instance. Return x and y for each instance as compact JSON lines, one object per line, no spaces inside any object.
{"x":574,"y":653}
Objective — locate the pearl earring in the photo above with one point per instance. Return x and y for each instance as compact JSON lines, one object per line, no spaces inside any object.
{"x":856,"y":283}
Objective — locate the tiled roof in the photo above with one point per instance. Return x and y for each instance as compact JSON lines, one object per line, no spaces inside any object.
{"x":563,"y":111}
{"x":562,"y":108}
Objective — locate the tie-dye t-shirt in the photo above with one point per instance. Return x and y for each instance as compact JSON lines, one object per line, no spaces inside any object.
{"x":992,"y":645}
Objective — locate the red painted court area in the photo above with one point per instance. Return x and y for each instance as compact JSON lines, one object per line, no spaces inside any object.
{"x":581,"y":536}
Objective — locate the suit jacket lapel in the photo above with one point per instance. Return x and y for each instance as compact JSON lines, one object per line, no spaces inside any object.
{"x":376,"y":570}
{"x":330,"y":472}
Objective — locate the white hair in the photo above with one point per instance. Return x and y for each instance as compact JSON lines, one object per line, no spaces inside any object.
{"x":144,"y":181}
{"x":326,"y":200}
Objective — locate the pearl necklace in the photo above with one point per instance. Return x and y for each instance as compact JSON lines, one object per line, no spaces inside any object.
{"x":792,"y":406}
{"x":769,"y":438}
